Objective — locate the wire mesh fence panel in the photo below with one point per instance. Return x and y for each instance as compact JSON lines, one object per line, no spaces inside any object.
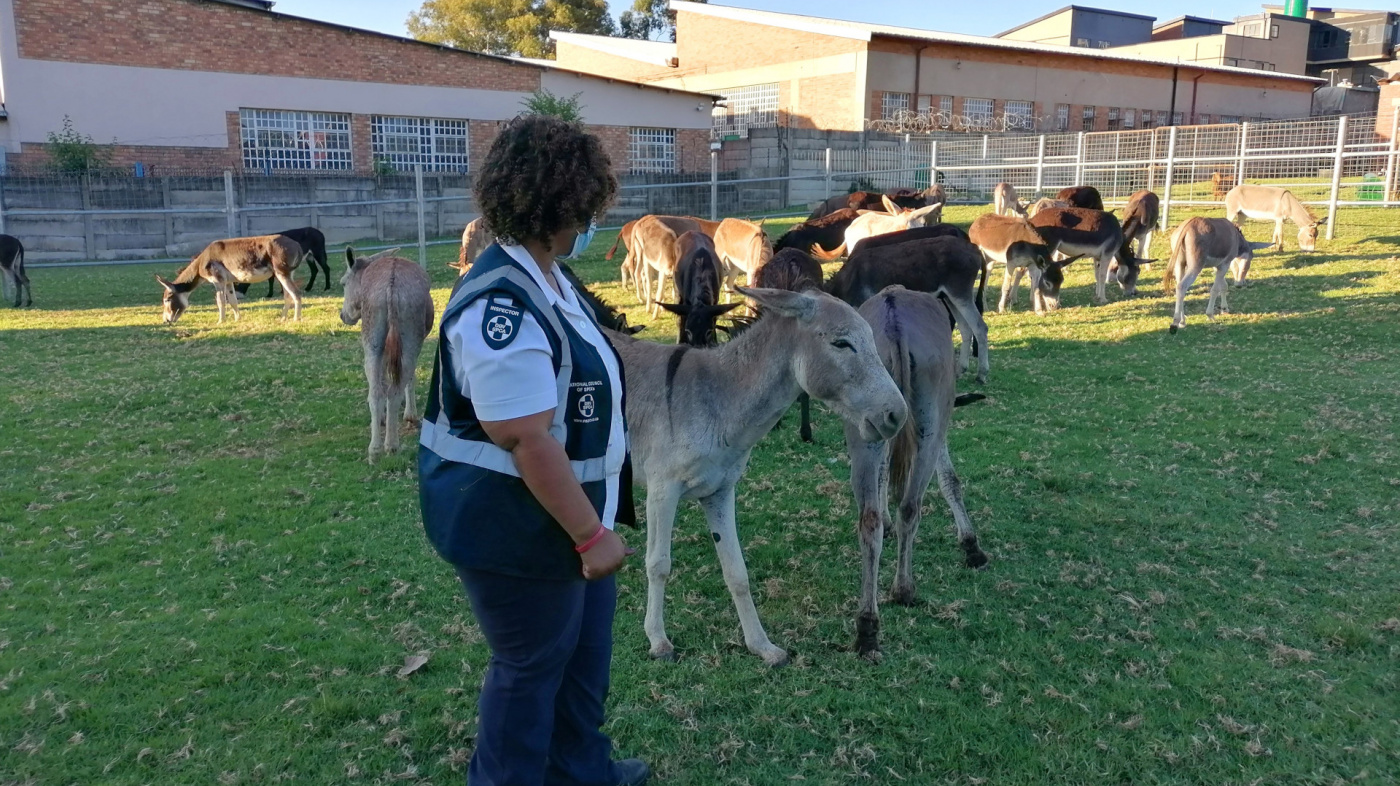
{"x":166,"y":213}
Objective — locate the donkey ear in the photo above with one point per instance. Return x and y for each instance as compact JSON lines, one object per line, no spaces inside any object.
{"x":889,"y":204}
{"x":350,"y":257}
{"x":1322,"y":221}
{"x":797,"y":305}
{"x":169,"y":286}
{"x":675,"y":308}
{"x":717,"y":311}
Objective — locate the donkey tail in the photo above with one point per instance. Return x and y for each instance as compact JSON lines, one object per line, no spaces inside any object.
{"x":1178,"y":259}
{"x":828,"y":256}
{"x":393,"y":354}
{"x":904,"y":447}
{"x":608,"y":256}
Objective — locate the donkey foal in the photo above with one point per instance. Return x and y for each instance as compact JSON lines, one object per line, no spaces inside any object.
{"x":392,"y":295}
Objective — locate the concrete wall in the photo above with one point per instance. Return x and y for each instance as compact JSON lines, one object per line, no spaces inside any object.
{"x":1287,"y":56}
{"x":1055,"y":30}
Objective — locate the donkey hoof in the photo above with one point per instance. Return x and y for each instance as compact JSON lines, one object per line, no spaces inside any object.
{"x":1173,"y":329}
{"x":775,"y":658}
{"x":904,"y":596}
{"x":874,"y":656}
{"x":669,"y":655}
{"x":977,"y":560}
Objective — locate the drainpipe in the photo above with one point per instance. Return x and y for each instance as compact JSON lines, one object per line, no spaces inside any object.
{"x":1171,"y":113}
{"x":1195,"y":85}
{"x":918,"y":63}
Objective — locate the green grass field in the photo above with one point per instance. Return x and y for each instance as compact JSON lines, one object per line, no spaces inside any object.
{"x":1195,"y":571}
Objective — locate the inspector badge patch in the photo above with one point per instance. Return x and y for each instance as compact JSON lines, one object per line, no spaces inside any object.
{"x":500,"y":324}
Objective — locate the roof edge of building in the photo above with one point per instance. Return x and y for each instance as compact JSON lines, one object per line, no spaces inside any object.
{"x":1074,"y":7}
{"x":806,"y":24}
{"x":664,"y":52}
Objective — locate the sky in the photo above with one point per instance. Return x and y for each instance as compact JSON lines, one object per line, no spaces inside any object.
{"x":953,"y":17}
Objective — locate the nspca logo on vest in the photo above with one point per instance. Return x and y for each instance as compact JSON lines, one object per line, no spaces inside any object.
{"x":585,"y":396}
{"x":500,"y":323}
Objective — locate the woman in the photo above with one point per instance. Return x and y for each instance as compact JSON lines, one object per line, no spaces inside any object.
{"x":521,"y":464}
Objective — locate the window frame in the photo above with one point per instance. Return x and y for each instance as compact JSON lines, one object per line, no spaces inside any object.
{"x":431,"y":135}
{"x":307,"y":138}
{"x":1062,"y":117}
{"x":664,"y":143}
{"x":890,"y":104}
{"x":1088,"y":117}
{"x":759,"y":104}
{"x":1024,"y":120}
{"x":979,"y":119}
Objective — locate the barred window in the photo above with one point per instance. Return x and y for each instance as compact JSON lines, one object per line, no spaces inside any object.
{"x":1020,"y":115}
{"x":1161,"y":118}
{"x":978,"y":111}
{"x":437,"y":145}
{"x":1129,"y":119}
{"x":1087,"y":122}
{"x":651,"y":150}
{"x":891,"y":104}
{"x":1147,"y":118}
{"x":1176,"y":119}
{"x":754,"y":106}
{"x":1229,"y":118}
{"x":1114,"y":124}
{"x":279,"y":139}
{"x":945,"y":105}
{"x":1062,"y":117}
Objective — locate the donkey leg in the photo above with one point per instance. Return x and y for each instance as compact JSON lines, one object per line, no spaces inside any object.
{"x":910,"y":512}
{"x":1007,"y":287}
{"x":719,"y":511}
{"x":290,"y":294}
{"x":374,"y":375}
{"x":971,"y":324}
{"x":392,"y":402}
{"x":1101,"y":280}
{"x":1216,"y":294}
{"x":868,"y":463}
{"x":805,"y":404}
{"x":661,"y":518}
{"x":1183,"y":285}
{"x":951,"y":487}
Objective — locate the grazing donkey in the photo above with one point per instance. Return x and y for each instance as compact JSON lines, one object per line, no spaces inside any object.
{"x":903,"y":198}
{"x":1273,"y":204}
{"x":1015,"y":242}
{"x":1139,"y":219}
{"x":698,"y":274}
{"x":1200,"y":243}
{"x":393,"y":296}
{"x":1091,"y":233}
{"x":243,"y":260}
{"x":743,"y":247}
{"x":794,"y":270}
{"x":1086,"y":197}
{"x":1005,"y":201}
{"x":682,"y":448}
{"x":12,"y":273}
{"x":654,"y":239}
{"x":1043,"y":203}
{"x":827,"y":232}
{"x":872,"y":224}
{"x":475,"y":238}
{"x":628,"y":269}
{"x":947,"y":266}
{"x":313,"y":243}
{"x":915,"y":344}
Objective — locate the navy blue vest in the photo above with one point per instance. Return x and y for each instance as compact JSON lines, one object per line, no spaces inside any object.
{"x":477,"y":511}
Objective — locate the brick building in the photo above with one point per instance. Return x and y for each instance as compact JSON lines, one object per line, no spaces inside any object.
{"x":779,"y":69}
{"x":214,"y":84}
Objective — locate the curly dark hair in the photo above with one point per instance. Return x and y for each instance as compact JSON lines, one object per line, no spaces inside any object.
{"x":542,"y":175}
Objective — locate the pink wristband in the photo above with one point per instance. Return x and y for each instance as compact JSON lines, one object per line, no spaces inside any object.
{"x":593,"y":541}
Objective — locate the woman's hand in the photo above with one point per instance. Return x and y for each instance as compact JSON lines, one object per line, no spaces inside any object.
{"x":605,"y":557}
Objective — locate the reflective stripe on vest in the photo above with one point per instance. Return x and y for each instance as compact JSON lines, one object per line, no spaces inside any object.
{"x":437,"y":435}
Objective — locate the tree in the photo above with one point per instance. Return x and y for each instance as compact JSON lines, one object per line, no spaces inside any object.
{"x":649,"y":20}
{"x":71,"y":151}
{"x":507,"y":27}
{"x":543,"y":102}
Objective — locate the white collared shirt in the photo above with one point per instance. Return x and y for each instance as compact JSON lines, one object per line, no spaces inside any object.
{"x":518,"y":380}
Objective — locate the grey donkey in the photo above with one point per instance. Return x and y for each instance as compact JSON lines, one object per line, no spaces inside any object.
{"x":915,"y":343}
{"x":694,"y":415}
{"x":393,"y":297}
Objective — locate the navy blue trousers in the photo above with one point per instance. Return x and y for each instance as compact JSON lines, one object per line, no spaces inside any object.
{"x":541,"y":706}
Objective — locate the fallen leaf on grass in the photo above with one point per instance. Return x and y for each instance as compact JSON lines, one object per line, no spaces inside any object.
{"x":411,"y":664}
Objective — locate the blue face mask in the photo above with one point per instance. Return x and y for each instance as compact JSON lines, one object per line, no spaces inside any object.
{"x":581,"y":242}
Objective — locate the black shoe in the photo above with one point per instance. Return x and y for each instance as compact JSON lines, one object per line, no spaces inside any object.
{"x":631,"y":772}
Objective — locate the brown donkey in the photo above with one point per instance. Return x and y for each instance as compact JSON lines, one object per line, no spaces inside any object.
{"x":393,"y":296}
{"x":244,"y":260}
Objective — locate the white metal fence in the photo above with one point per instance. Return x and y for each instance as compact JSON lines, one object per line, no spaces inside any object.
{"x":1327,"y":162}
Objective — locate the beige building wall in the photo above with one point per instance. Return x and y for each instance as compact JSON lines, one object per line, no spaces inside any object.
{"x":964,"y":72}
{"x":1055,"y":30}
{"x":1287,"y":56}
